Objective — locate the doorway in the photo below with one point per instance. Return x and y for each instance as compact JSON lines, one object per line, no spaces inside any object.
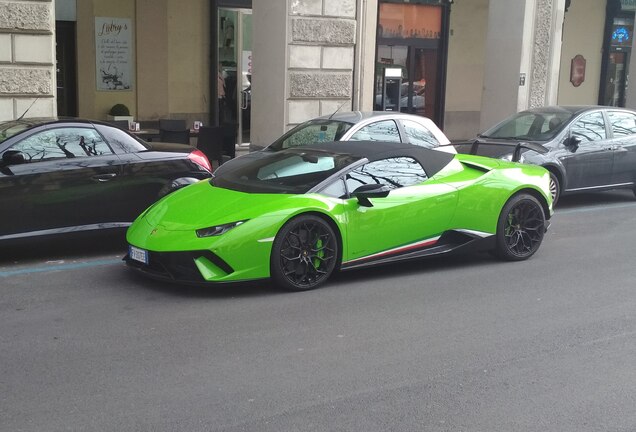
{"x":411,"y":38}
{"x":234,"y":81}
{"x":619,"y":28}
{"x":66,"y":69}
{"x":418,"y":89}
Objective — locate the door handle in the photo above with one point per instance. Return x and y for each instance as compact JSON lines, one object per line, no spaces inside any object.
{"x":104,"y":177}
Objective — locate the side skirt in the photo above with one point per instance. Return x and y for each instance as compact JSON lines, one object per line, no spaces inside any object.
{"x":449,"y":242}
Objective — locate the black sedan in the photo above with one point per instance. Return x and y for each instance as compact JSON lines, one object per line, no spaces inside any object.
{"x":585,"y":148}
{"x":60,"y":176}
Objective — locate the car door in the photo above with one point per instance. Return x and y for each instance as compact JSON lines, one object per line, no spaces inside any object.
{"x":68,"y":179}
{"x":410,"y":217}
{"x":589,"y":164}
{"x":623,"y":126}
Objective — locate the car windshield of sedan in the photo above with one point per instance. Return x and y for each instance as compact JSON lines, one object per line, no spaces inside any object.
{"x":311,"y":132}
{"x":292,"y":171}
{"x":8,"y":129}
{"x":531,"y":126}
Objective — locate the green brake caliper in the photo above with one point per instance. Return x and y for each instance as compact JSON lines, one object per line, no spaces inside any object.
{"x":320,"y":254}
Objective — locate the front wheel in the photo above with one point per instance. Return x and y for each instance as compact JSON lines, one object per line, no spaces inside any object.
{"x":555,"y":189}
{"x":520,"y":228}
{"x":304,"y":253}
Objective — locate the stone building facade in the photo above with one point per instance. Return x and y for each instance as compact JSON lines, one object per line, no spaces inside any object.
{"x":313,"y":57}
{"x":27,"y":59}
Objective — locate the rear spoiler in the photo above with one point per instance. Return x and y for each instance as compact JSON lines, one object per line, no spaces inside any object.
{"x":516,"y":153}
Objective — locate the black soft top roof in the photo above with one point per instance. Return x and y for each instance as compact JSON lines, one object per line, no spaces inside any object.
{"x":431,"y":160}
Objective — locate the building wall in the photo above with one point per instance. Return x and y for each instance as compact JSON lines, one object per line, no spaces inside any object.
{"x":153,"y":69}
{"x":27,"y":56}
{"x":170,"y":59}
{"x":95,"y":104}
{"x":465,"y":72}
{"x":582,"y":34}
{"x":189,"y":53}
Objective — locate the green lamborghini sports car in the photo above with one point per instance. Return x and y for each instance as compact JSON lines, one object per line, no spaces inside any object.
{"x":298,"y":215}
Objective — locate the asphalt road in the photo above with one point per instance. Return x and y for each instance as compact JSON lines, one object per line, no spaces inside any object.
{"x":461,"y":344}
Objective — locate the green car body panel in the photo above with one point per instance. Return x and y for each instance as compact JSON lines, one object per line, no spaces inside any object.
{"x":467,"y":194}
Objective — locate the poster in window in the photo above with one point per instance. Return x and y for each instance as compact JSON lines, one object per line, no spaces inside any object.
{"x":113,"y":39}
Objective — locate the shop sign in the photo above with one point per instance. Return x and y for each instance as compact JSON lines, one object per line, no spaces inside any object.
{"x":577,"y":70}
{"x":113,"y":38}
{"x":628,"y":5}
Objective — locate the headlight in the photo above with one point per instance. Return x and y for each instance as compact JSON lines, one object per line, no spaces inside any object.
{"x":218,"y":230}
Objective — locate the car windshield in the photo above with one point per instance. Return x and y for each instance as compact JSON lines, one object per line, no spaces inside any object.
{"x":310,"y":132}
{"x":530,"y":125}
{"x":292,"y":171}
{"x":8,"y":129}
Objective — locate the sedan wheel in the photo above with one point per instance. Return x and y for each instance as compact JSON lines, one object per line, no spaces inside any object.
{"x":555,"y":189}
{"x":520,"y":228}
{"x":304,"y":253}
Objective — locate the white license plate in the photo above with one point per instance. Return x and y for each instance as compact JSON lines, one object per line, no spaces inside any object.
{"x":137,"y":254}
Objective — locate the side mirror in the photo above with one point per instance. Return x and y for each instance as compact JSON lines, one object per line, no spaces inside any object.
{"x":364,"y":192}
{"x":572,"y":142}
{"x":13,"y":157}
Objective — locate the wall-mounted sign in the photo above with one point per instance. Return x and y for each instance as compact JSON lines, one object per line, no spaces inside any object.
{"x":113,"y":44}
{"x":577,"y":70}
{"x":622,"y":33}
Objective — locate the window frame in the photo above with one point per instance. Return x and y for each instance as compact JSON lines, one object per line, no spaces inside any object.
{"x":52,"y":129}
{"x":587,"y":113}
{"x":608,"y":114}
{"x":395,"y":122}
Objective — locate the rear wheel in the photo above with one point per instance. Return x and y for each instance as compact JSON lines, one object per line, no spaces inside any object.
{"x":304,"y":253}
{"x":520,"y":228}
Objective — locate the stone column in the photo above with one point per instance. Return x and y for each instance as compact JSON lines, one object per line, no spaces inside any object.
{"x":523,"y":50}
{"x":27,"y":59}
{"x":303,"y":63}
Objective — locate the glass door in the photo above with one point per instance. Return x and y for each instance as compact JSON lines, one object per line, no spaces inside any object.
{"x":615,"y":66}
{"x":234,"y":84}
{"x":418,"y":89}
{"x":615,"y":79}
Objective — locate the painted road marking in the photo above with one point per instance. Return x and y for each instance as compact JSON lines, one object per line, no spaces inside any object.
{"x":59,"y":267}
{"x":594,"y":208}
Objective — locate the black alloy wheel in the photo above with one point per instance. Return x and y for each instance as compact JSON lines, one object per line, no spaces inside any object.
{"x":555,"y":189}
{"x":520,"y":229}
{"x":304,"y":253}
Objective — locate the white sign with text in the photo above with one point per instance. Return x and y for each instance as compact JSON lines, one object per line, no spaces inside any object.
{"x":113,"y":45}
